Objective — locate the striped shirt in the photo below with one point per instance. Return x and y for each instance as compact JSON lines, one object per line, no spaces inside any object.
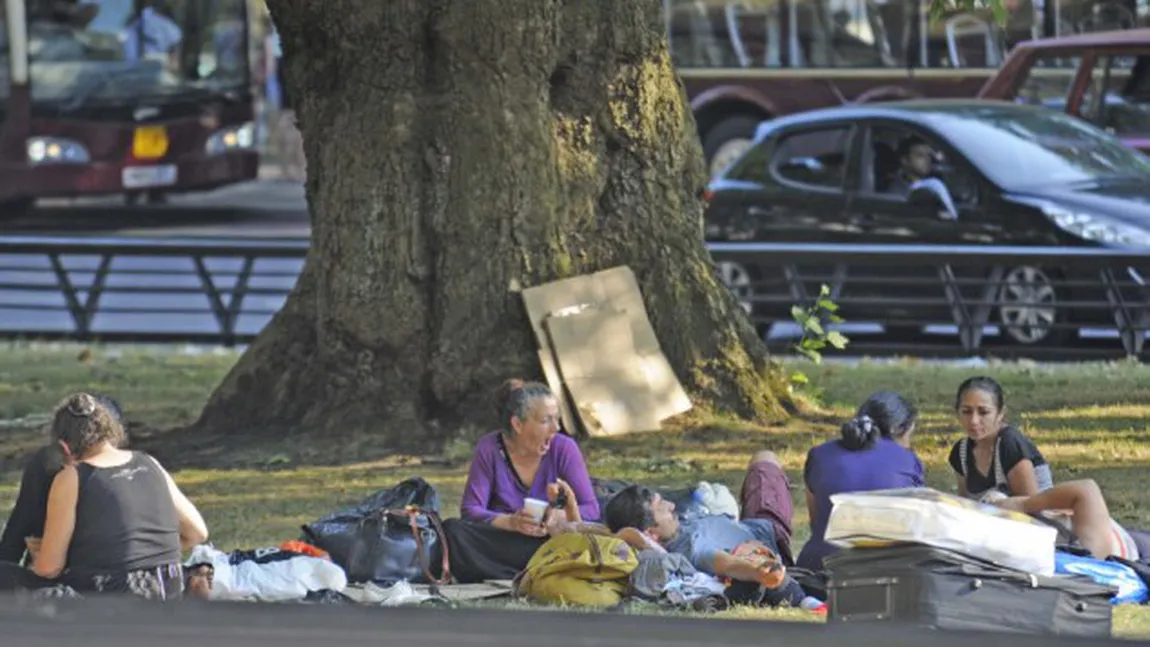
{"x":1121,"y":543}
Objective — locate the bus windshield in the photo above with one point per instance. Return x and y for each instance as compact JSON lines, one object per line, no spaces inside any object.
{"x":112,"y":51}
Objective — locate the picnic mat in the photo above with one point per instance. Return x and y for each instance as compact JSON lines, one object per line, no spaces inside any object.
{"x":403,"y":593}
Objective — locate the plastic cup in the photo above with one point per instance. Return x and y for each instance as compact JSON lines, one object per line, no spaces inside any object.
{"x":535,"y":508}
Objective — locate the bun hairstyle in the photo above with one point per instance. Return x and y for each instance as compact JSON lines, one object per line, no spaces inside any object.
{"x":859,"y":433}
{"x":514,"y":399}
{"x":82,"y":422}
{"x":885,"y":414}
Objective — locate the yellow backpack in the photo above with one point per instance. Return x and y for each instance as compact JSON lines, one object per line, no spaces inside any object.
{"x":578,"y":569}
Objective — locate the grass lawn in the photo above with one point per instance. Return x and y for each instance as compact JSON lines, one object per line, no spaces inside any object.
{"x":1088,"y":419}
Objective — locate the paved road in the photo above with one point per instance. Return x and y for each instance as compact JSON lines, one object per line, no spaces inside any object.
{"x":266,"y":208}
{"x":124,"y":623}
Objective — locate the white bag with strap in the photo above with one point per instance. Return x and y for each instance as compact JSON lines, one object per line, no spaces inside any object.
{"x":927,"y":516}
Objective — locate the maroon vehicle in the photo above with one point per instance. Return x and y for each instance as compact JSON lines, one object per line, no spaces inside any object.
{"x":1103,"y":78}
{"x":133,"y":97}
{"x":745,"y":62}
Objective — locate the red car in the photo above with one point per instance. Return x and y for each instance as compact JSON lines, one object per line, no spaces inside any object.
{"x":1102,"y":77}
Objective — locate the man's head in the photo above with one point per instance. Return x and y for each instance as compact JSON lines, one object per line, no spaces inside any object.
{"x":639,"y":508}
{"x":916,"y":157}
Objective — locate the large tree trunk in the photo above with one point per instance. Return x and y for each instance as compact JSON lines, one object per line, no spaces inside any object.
{"x":457,"y":148}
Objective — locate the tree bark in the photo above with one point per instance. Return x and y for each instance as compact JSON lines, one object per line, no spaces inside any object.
{"x":458,"y":148}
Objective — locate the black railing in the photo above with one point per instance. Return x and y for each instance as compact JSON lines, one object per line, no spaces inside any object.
{"x":198,"y":290}
{"x":906,"y":288}
{"x":224,"y":291}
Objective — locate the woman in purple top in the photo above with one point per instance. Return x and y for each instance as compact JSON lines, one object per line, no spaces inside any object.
{"x":873,"y":454}
{"x":528,"y":458}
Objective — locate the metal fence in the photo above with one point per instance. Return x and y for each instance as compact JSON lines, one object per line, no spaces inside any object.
{"x":1029,"y":300}
{"x":924,"y":299}
{"x":211,"y":290}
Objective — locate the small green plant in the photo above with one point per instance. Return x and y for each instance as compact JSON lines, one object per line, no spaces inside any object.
{"x":814,"y":320}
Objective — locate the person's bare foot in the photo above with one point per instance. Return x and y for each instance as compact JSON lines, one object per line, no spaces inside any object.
{"x":199,"y":584}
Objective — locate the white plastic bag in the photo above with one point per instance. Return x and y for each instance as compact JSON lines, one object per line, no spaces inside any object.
{"x":927,"y":516}
{"x":717,"y":499}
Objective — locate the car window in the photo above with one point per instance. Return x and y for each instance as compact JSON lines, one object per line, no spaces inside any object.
{"x":1020,"y":149}
{"x":1118,"y":95}
{"x":1048,"y":82}
{"x":899,"y":157}
{"x":752,"y":166}
{"x":813,"y":158}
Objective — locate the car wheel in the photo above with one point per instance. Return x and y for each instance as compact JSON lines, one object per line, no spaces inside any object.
{"x":1028,"y":307}
{"x":741,"y":282}
{"x":727,"y":140}
{"x":738,"y":281}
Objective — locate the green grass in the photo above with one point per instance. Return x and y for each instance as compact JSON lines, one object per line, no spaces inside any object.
{"x":1088,"y":419}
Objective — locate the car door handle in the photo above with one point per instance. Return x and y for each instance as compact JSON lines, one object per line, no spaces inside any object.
{"x":863,"y":219}
{"x":758,"y":212}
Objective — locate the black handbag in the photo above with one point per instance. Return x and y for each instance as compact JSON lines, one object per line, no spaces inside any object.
{"x":389,"y":536}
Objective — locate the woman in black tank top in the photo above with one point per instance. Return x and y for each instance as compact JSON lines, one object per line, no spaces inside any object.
{"x":116,"y":522}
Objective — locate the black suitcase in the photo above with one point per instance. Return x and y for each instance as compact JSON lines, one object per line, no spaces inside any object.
{"x":942,"y":589}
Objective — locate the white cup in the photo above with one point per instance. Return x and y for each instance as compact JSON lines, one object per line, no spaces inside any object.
{"x":535,"y":508}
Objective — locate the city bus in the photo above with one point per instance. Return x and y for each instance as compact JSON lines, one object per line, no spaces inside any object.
{"x":744,"y":62}
{"x":139,"y":98}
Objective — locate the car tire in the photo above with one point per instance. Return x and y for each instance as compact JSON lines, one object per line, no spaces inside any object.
{"x":1028,"y":307}
{"x":727,"y":140}
{"x":740,"y":280}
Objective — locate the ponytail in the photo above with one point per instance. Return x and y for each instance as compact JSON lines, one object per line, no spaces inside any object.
{"x":859,"y":433}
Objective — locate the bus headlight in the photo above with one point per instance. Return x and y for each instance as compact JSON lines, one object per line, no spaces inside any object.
{"x":240,"y":137}
{"x":55,"y":150}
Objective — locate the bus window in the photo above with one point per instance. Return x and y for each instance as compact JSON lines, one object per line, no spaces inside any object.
{"x":222,"y":57}
{"x":840,"y":33}
{"x":127,"y":50}
{"x":785,"y":33}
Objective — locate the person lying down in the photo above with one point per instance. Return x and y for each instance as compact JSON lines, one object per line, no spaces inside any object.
{"x":1080,"y":511}
{"x":744,"y":554}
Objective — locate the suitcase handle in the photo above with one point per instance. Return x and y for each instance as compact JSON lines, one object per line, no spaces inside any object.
{"x":972,"y":570}
{"x":1078,"y":584}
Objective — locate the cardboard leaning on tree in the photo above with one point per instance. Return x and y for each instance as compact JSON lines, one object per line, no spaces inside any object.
{"x":926,"y":516}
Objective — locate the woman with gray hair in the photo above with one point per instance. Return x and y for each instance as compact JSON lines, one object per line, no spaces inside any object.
{"x":527,"y":459}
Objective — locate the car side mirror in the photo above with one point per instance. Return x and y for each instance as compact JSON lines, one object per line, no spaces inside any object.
{"x":931,"y":193}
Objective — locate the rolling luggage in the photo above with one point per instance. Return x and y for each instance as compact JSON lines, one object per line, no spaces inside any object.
{"x":941,"y":589}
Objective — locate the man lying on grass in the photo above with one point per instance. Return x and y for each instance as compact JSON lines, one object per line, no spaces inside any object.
{"x":742,"y":553}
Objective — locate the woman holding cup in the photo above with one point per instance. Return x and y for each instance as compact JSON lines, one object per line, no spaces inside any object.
{"x":526,"y":472}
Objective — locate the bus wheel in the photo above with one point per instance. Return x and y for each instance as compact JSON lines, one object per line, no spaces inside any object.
{"x":18,"y":208}
{"x":727,"y":140}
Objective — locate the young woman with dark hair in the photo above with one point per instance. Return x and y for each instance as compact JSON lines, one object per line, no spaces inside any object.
{"x":873,"y":453}
{"x":994,"y":456}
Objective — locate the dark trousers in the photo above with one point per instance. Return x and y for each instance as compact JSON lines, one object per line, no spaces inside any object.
{"x":479,"y":551}
{"x":27,"y":517}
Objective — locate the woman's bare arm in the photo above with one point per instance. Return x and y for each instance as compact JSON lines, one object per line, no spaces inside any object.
{"x":59,"y":525}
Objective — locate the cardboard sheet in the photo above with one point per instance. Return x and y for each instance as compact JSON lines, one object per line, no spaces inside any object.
{"x":598,"y":348}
